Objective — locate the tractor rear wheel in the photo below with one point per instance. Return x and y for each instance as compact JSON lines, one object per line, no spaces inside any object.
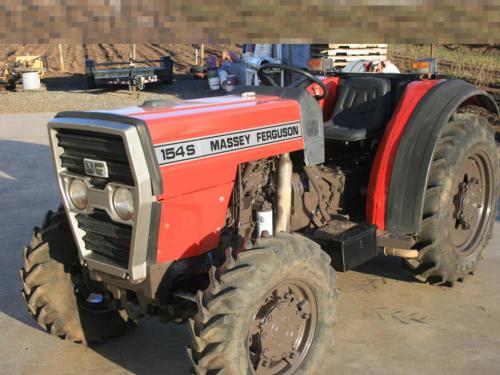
{"x":460,"y":202}
{"x":269,"y":310}
{"x":61,"y":299}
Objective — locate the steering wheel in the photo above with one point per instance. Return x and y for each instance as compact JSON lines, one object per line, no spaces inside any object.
{"x":265,"y":71}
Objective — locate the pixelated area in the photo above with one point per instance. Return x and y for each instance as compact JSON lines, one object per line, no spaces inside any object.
{"x":222,"y":21}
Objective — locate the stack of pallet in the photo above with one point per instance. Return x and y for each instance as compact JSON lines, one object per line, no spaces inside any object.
{"x":342,"y":54}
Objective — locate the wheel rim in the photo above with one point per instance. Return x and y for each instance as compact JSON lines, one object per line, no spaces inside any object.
{"x":283,"y":329}
{"x":471,"y":202}
{"x":86,"y":290}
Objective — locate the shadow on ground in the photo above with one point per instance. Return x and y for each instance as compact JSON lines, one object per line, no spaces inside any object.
{"x":386,"y":267}
{"x":27,"y":191}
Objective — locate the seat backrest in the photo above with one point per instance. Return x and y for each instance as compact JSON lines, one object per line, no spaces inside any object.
{"x":362,"y":103}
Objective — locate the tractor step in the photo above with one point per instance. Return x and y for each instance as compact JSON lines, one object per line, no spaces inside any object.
{"x":349,"y":244}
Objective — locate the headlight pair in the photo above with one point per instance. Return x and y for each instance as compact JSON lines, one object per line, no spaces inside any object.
{"x":123,"y":198}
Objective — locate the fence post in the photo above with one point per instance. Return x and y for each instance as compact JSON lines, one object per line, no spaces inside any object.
{"x":61,"y":58}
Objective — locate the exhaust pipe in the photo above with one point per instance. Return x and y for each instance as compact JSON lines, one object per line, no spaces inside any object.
{"x":284,"y":205}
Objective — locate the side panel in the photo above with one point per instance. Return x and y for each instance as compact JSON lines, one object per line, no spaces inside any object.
{"x":411,"y":165}
{"x":382,"y":170}
{"x":191,"y":224}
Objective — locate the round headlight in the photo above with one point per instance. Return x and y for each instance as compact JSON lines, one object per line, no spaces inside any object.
{"x":78,"y":193}
{"x":123,"y":201}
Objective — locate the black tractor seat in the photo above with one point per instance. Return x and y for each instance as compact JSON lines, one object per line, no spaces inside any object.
{"x":361,"y":110}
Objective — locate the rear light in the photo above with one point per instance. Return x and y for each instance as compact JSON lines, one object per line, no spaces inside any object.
{"x":420,"y":65}
{"x":425,"y":66}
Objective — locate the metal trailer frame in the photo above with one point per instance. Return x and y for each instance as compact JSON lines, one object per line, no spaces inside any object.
{"x":133,"y":76}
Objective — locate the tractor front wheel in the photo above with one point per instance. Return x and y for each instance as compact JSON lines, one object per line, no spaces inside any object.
{"x":267,"y":311}
{"x":60,"y":296}
{"x":460,"y":201}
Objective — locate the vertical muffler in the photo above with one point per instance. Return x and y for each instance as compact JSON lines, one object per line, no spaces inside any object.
{"x":284,"y":203}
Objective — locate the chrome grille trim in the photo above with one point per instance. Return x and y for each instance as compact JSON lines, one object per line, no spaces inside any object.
{"x":99,"y":199}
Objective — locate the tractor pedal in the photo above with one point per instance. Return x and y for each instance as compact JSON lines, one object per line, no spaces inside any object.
{"x":348,"y":244}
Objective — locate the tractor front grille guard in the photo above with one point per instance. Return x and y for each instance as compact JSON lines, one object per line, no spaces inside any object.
{"x":106,"y":242}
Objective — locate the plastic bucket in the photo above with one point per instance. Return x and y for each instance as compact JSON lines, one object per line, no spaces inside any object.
{"x":31,"y":81}
{"x":213,"y":83}
{"x":223,"y":77}
{"x":231,"y":83}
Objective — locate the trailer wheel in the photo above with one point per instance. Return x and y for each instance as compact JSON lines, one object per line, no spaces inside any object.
{"x":91,"y":83}
{"x":53,"y":289}
{"x":268,"y":311}
{"x":90,"y":74}
{"x":460,"y":202}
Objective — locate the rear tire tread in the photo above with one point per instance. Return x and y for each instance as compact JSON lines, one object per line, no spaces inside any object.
{"x":436,"y":263}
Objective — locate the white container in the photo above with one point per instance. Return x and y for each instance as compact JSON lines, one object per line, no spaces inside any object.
{"x":214,"y":83}
{"x":223,"y":78}
{"x":263,"y":50}
{"x":257,"y":62}
{"x":231,"y":82}
{"x":264,"y":222}
{"x":31,"y":81}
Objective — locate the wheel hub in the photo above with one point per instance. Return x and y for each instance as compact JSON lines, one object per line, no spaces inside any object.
{"x":283,"y":329}
{"x":471,"y":203}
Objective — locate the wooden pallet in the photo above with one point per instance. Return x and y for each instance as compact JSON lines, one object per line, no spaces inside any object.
{"x":360,"y":57}
{"x":341,"y":54}
{"x":357,"y":52}
{"x":356,"y":46}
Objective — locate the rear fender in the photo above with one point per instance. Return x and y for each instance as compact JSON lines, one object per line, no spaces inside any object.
{"x":405,"y":196}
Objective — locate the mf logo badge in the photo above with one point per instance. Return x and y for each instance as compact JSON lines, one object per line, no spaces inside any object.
{"x":96,"y":168}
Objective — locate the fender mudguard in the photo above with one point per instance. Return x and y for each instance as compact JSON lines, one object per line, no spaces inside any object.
{"x":416,"y":149}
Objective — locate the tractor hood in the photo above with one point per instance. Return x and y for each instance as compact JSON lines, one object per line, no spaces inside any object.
{"x":198,"y":144}
{"x":177,"y":121}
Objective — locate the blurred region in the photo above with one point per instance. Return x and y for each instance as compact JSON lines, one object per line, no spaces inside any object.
{"x":441,"y":21}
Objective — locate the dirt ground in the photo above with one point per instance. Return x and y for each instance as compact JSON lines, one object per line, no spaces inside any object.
{"x":68,"y":92}
{"x":183,"y":55}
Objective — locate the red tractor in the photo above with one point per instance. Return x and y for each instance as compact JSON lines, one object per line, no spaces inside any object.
{"x":232,"y":213}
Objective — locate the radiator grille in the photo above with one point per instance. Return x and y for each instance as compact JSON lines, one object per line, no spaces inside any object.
{"x":78,"y":145}
{"x":105,"y":237}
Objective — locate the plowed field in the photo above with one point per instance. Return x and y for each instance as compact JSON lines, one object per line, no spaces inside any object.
{"x":74,"y":54}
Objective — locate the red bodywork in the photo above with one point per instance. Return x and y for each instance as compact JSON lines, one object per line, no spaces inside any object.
{"x":196,"y":193}
{"x":380,"y":176}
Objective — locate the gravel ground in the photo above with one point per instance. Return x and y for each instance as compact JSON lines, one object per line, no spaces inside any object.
{"x":65,"y":93}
